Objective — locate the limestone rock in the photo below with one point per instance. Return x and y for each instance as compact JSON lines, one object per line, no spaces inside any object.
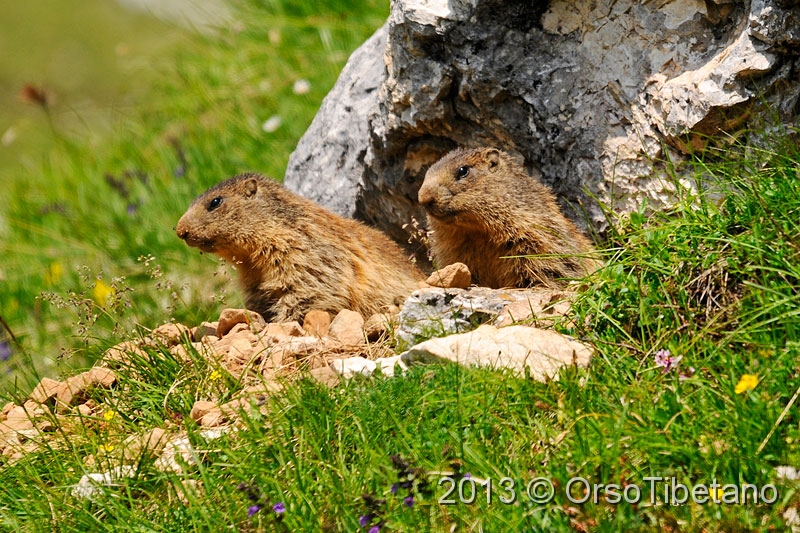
{"x":200,"y":409}
{"x":230,"y":317}
{"x":347,"y":328}
{"x":455,"y":276}
{"x":586,"y":93}
{"x":377,"y":326}
{"x":317,"y":322}
{"x":76,"y":389}
{"x":151,"y":443}
{"x":325,"y":375}
{"x":284,"y":330}
{"x":213,"y":418}
{"x":540,"y":306}
{"x":332,"y":150}
{"x":352,"y":366}
{"x":93,"y":485}
{"x":122,"y":353}
{"x":45,"y":390}
{"x":205,"y":329}
{"x":171,"y":334}
{"x":436,"y":312}
{"x":388,"y":366}
{"x":539,"y":352}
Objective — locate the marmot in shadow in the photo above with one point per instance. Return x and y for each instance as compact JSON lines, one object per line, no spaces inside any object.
{"x":483,"y":206}
{"x":293,"y":255}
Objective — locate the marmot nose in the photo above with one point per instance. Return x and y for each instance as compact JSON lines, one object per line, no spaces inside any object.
{"x":425,"y":196}
{"x":182,"y":232}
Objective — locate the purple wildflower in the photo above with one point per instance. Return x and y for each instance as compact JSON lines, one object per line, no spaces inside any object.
{"x":686,"y":374}
{"x":467,"y":475}
{"x":253,"y":509}
{"x":364,"y":519}
{"x":394,"y":488}
{"x":374,"y":529}
{"x":409,"y":501}
{"x":666,"y":361}
{"x":279,"y":508}
{"x":5,"y":351}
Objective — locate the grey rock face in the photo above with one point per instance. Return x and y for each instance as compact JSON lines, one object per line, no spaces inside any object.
{"x":590,"y":94}
{"x":439,"y":312}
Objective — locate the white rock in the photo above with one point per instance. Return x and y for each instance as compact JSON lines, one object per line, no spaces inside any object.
{"x":389,"y":365}
{"x":541,"y":352}
{"x":92,"y":485}
{"x":787,"y":472}
{"x":353,"y":366}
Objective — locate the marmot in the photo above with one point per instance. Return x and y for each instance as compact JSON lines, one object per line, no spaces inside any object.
{"x":293,"y":255}
{"x":483,"y":206}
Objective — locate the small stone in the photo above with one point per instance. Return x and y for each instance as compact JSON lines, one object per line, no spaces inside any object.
{"x":177,"y":454}
{"x":353,"y":366}
{"x":543,"y":305}
{"x":212,"y":418}
{"x":170,"y":334}
{"x":284,"y":330}
{"x":325,"y":375}
{"x":347,"y":328}
{"x":11,"y":432}
{"x":455,"y":276}
{"x":377,"y":326}
{"x":75,"y":389}
{"x":205,"y":329}
{"x":33,"y":408}
{"x":91,"y":486}
{"x":289,"y":351}
{"x":240,"y":351}
{"x":84,"y":410}
{"x":45,"y":390}
{"x":267,"y":388}
{"x":150,"y":443}
{"x":17,"y":420}
{"x":101,"y":377}
{"x":201,"y":408}
{"x":389,"y":365}
{"x":317,"y":322}
{"x":122,"y":353}
{"x":8,"y":407}
{"x":230,"y":317}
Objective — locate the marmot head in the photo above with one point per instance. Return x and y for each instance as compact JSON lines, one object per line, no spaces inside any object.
{"x":230,"y":218}
{"x":458,"y":185}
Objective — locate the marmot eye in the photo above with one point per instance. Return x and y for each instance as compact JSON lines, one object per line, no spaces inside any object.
{"x":215,"y":203}
{"x":462,"y":173}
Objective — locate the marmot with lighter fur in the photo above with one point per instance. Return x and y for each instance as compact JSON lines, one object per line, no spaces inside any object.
{"x":486,"y":211}
{"x":293,"y":255}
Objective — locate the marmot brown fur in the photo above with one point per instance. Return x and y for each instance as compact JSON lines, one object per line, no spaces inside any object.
{"x":483,"y":206}
{"x":294,"y":256}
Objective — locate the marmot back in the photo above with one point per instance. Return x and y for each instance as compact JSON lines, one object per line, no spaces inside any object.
{"x":482,"y":206}
{"x":294,"y":256}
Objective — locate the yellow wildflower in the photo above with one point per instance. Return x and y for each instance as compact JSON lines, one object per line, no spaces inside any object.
{"x":102,"y":292}
{"x":109,"y":415}
{"x":215,"y":375}
{"x":53,"y":274}
{"x":106,"y":448}
{"x":746,"y":382}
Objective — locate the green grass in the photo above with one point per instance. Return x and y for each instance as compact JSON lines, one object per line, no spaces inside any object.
{"x":95,"y":210}
{"x":714,"y":280}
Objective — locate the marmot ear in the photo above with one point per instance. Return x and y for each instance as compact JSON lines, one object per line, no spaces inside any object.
{"x":493,"y":157}
{"x":250,"y":187}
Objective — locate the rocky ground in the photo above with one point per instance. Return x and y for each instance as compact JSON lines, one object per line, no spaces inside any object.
{"x":466,"y":325}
